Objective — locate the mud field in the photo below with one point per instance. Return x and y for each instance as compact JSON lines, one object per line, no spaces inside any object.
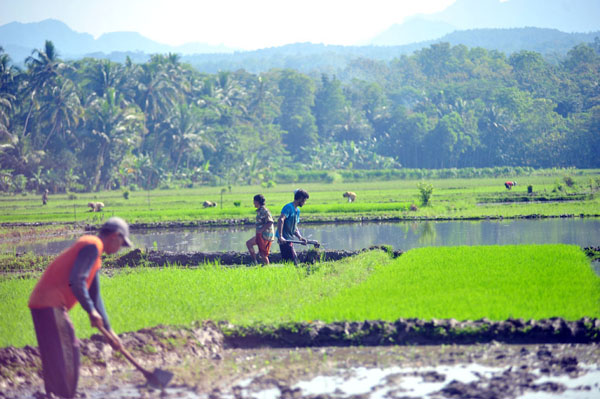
{"x":404,"y":359}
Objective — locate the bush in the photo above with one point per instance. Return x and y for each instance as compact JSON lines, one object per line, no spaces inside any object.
{"x":425,"y":191}
{"x":237,"y":203}
{"x":569,"y":181}
{"x":126,"y":195}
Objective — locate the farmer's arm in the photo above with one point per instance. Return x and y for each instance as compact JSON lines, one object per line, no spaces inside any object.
{"x":78,"y":282}
{"x":94,"y":292}
{"x":280,"y":228}
{"x":297,"y":234}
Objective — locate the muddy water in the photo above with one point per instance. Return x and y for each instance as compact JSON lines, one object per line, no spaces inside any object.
{"x":355,"y":236}
{"x":451,"y":371}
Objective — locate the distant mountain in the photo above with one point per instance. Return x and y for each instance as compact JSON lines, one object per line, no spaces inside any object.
{"x":19,"y":39}
{"x":307,"y":57}
{"x":563,"y":15}
{"x":412,"y":31}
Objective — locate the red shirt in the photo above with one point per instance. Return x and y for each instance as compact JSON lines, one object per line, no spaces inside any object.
{"x":53,"y":289}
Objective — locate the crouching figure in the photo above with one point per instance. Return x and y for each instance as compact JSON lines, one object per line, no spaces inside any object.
{"x":350,"y":195}
{"x":95,"y":206}
{"x":209,"y":204}
{"x":510,"y":184}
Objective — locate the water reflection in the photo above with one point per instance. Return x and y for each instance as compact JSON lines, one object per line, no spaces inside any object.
{"x":354,"y":236}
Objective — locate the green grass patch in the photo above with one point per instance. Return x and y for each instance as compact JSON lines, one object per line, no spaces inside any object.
{"x":451,"y":198}
{"x":526,"y":281}
{"x":468,"y":283}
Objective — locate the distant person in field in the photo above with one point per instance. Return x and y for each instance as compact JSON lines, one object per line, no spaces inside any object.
{"x":510,"y":184}
{"x":72,"y":277}
{"x":265,"y":231}
{"x":45,"y":197}
{"x":287,"y":226}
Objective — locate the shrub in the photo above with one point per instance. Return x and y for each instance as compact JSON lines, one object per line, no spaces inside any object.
{"x":425,"y":191}
{"x":126,"y":195}
{"x":569,"y":181}
{"x":237,"y":203}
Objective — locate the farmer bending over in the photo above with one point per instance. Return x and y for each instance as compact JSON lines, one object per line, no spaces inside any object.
{"x":287,"y":226}
{"x":265,"y":233}
{"x":72,"y":277}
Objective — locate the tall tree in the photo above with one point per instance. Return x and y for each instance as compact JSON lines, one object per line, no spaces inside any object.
{"x":296,"y":118}
{"x":329,"y":107}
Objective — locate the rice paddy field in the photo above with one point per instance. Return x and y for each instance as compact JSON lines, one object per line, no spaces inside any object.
{"x":451,"y":198}
{"x":465,"y":283}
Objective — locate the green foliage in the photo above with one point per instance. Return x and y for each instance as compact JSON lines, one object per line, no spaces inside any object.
{"x":569,"y":181}
{"x":425,"y":192}
{"x":529,"y":281}
{"x":469,"y":283}
{"x":377,"y":198}
{"x":163,"y":124}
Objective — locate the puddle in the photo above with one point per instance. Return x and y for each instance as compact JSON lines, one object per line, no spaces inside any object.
{"x":378,"y":383}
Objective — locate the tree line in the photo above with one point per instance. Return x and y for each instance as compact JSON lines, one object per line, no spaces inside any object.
{"x":94,"y":124}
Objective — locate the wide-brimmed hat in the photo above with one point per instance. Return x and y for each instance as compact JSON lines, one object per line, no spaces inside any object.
{"x":117,"y":224}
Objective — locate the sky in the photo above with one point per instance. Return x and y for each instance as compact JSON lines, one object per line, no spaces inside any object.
{"x":240,"y":24}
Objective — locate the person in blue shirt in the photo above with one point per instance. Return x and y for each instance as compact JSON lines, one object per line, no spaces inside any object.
{"x":287,"y":226}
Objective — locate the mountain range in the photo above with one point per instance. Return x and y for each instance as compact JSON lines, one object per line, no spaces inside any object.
{"x":563,"y":15}
{"x":550,"y":27}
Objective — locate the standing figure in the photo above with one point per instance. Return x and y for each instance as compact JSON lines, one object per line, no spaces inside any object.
{"x":265,"y":232}
{"x":45,"y":197}
{"x":72,"y":277}
{"x":287,"y":226}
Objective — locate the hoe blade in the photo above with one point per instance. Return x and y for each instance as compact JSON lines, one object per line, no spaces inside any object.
{"x":159,"y":378}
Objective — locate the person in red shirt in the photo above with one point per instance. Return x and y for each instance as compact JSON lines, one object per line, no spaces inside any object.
{"x":71,"y":278}
{"x":510,"y":184}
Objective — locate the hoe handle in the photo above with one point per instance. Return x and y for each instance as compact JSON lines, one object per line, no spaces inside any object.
{"x":125,"y":352}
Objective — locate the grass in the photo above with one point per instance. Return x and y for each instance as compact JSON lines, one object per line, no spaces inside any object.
{"x":528,"y":281}
{"x":452,"y":198}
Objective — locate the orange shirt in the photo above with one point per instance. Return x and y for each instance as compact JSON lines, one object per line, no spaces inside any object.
{"x":53,"y":289}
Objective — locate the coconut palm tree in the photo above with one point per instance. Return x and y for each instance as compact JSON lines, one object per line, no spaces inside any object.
{"x":43,"y":68}
{"x":62,"y":110}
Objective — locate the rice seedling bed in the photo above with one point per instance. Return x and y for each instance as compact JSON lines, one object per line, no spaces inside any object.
{"x":465,"y":283}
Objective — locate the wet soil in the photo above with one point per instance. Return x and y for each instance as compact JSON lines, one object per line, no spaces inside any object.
{"x":224,"y":361}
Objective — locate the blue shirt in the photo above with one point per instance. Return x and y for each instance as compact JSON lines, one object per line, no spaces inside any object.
{"x":292,"y":217}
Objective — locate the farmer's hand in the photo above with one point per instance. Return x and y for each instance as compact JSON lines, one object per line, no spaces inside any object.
{"x":115,"y":341}
{"x":96,"y":319}
{"x":281,"y":240}
{"x":304,"y":240}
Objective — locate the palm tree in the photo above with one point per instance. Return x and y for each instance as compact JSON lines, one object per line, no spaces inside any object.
{"x":186,"y":133}
{"x":115,"y":131}
{"x":7,"y":95}
{"x":43,"y":68}
{"x":63,"y":109}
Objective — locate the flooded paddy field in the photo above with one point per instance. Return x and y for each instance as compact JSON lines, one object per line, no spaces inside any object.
{"x":353,"y":236}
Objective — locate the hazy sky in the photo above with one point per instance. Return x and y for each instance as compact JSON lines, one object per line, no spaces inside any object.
{"x":243,"y":24}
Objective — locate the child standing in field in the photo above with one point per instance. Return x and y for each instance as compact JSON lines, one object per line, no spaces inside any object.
{"x":265,"y":232}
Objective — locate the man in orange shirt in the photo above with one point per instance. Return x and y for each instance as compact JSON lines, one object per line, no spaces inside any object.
{"x":72,"y":277}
